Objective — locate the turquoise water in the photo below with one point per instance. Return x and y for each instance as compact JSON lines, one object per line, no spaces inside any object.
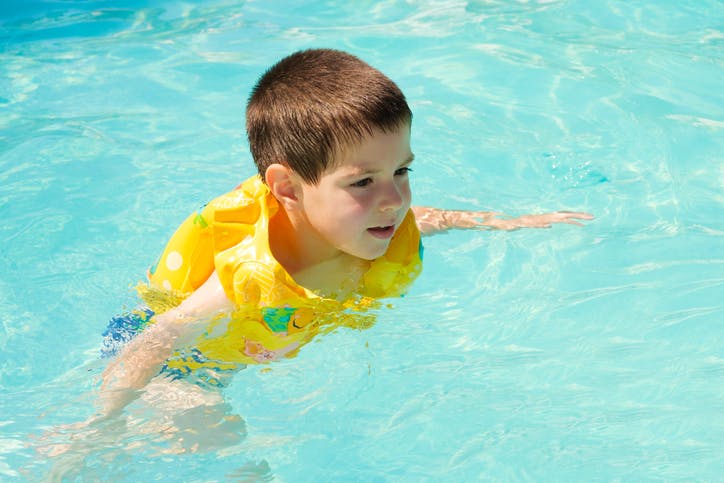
{"x":569,"y":354}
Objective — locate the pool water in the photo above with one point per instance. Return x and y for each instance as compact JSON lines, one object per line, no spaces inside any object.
{"x":569,"y":354}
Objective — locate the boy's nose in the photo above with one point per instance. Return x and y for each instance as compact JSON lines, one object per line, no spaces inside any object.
{"x":392,"y":198}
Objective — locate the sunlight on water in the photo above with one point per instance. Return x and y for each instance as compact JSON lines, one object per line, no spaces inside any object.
{"x":573,"y":353}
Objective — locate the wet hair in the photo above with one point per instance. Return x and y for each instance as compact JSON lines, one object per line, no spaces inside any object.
{"x":312,"y":104}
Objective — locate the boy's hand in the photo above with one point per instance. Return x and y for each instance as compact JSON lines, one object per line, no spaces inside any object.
{"x":544,"y":220}
{"x":432,"y":220}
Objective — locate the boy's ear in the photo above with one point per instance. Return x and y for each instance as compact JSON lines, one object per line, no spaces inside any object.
{"x":284,"y":185}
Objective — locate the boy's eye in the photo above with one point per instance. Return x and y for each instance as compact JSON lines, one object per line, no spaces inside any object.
{"x":367,"y":181}
{"x":362,"y":183}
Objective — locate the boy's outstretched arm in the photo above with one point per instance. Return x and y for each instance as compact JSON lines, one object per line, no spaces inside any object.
{"x":141,"y":359}
{"x":434,"y":220}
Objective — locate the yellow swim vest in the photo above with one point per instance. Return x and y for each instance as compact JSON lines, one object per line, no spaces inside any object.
{"x":231,"y":235}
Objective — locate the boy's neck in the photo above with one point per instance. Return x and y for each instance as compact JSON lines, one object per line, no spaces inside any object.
{"x":333,"y":274}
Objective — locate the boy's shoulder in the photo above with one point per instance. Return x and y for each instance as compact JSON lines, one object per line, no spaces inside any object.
{"x":250,"y":194}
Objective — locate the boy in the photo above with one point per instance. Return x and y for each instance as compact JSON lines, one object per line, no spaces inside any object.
{"x":325,"y":228}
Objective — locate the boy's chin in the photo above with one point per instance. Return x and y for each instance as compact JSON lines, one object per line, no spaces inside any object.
{"x":368,"y":249}
{"x":371,"y":254}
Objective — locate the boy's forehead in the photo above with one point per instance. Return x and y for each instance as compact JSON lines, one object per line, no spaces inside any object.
{"x":370,"y":165}
{"x":374,"y":153}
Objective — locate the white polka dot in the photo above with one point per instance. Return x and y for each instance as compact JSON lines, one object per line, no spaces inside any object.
{"x":174,"y":260}
{"x":166,"y":285}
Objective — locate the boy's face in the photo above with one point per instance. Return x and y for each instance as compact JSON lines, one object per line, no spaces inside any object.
{"x":359,"y":203}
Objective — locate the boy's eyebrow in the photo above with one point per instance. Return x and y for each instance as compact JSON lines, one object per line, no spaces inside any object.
{"x":366,"y":172}
{"x":409,"y":159}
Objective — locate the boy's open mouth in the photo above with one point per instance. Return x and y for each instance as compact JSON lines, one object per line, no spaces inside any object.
{"x":382,"y":232}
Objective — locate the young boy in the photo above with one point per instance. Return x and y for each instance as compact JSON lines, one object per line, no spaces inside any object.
{"x":323,"y":230}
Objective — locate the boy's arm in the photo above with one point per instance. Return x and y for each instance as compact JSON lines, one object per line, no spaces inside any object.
{"x":434,"y":220}
{"x":143,"y":357}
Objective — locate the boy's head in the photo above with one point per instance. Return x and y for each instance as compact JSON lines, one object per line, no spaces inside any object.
{"x":314,"y":103}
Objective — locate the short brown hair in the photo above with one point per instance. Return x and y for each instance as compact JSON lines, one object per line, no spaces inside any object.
{"x":313,"y":103}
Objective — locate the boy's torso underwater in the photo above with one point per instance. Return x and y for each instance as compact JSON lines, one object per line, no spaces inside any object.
{"x":274,"y":315}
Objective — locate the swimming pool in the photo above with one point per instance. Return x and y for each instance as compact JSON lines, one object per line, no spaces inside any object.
{"x":566,"y":354}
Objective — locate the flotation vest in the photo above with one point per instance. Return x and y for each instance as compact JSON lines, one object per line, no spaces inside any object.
{"x":231,"y":235}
